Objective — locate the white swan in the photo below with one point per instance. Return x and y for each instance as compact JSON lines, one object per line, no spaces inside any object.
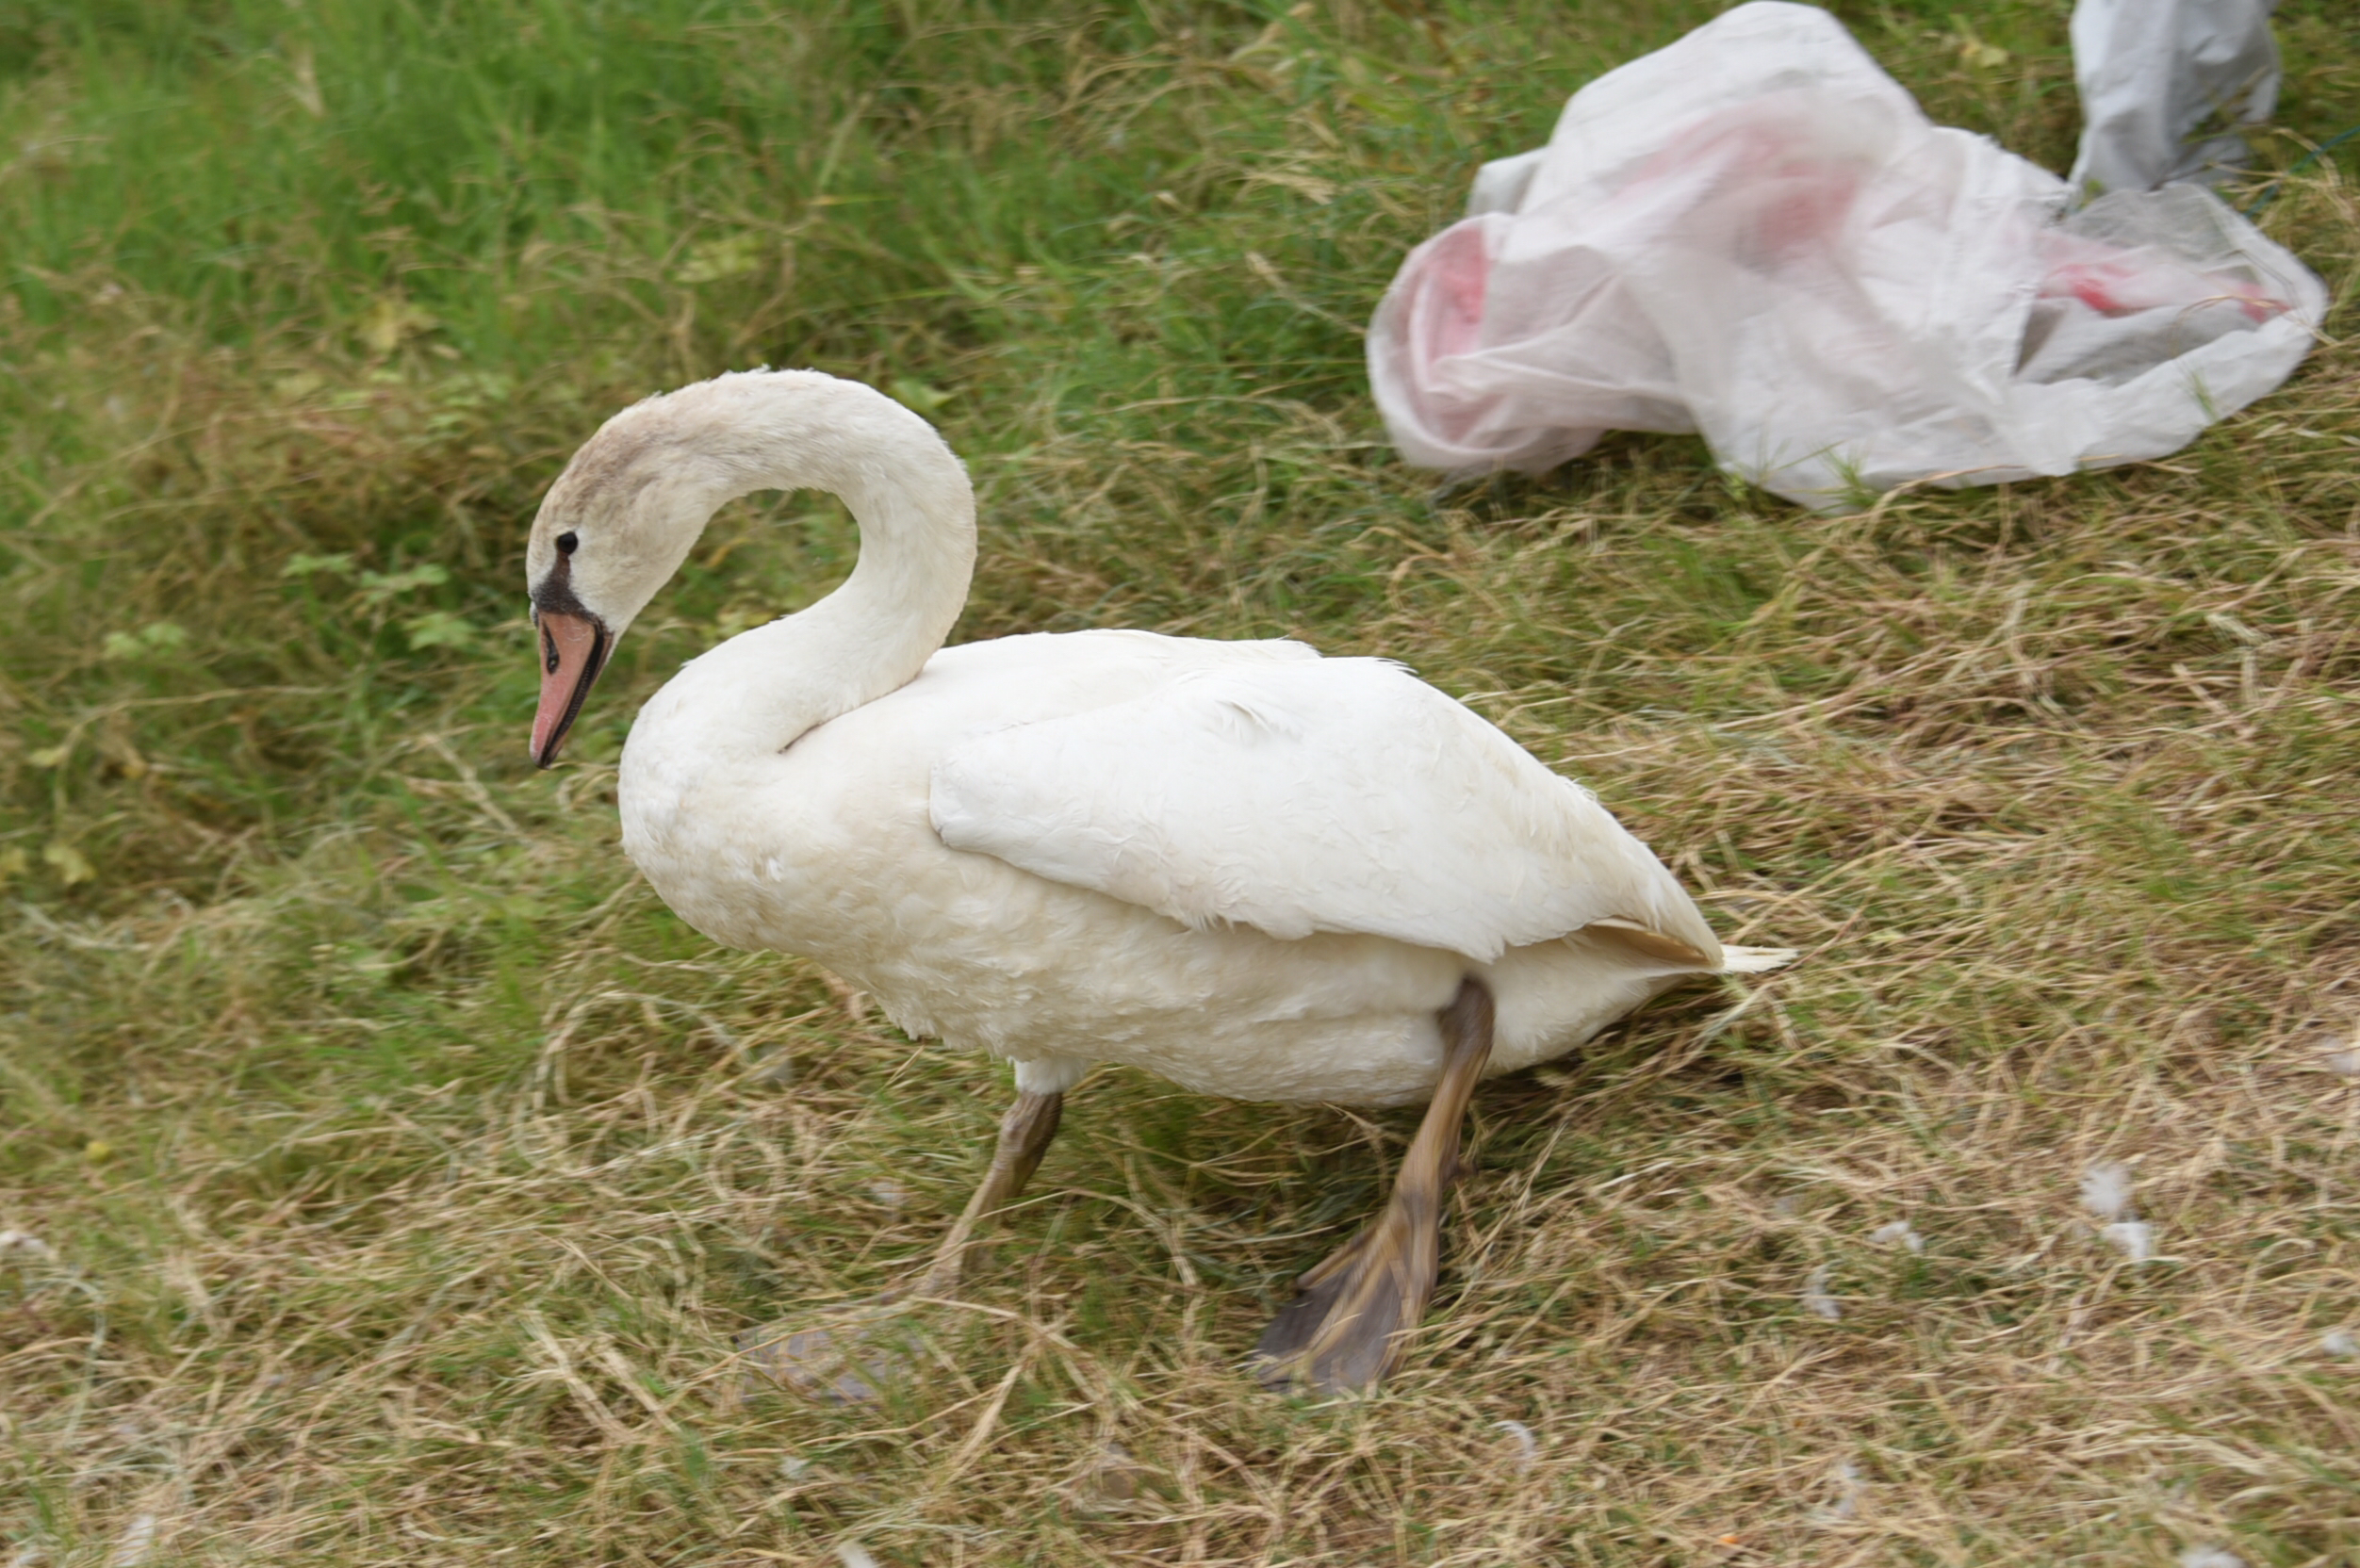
{"x":1256,"y":872}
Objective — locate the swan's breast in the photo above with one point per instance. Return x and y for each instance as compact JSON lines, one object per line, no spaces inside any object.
{"x":825,"y":848}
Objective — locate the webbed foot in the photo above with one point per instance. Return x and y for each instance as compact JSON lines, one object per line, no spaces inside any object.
{"x":1349,"y":1327}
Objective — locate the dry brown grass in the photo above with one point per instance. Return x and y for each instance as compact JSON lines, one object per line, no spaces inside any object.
{"x":400,"y":1171}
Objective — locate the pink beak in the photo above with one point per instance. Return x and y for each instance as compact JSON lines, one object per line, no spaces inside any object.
{"x":573,"y":647}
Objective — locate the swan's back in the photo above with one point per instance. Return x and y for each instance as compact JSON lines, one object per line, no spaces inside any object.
{"x":1307,"y":795}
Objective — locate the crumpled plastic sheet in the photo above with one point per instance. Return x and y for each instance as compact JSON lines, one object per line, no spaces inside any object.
{"x":2164,"y":86}
{"x":1757,"y":234}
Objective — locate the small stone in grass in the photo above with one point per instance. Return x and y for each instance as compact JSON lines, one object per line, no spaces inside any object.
{"x":1817,"y":1301}
{"x":1111,"y":1480}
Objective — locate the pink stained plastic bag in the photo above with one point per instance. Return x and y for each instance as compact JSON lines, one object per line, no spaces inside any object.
{"x":1756,"y":235}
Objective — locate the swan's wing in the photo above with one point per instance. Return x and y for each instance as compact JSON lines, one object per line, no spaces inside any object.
{"x":1332,"y":794}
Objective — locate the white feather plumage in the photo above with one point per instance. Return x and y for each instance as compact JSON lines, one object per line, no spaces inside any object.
{"x":1307,"y":795}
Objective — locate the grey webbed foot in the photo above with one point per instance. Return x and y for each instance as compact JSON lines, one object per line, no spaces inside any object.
{"x":1349,"y":1327}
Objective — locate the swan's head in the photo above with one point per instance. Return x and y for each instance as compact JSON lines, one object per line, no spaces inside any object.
{"x":626,"y":512}
{"x":611,"y":532}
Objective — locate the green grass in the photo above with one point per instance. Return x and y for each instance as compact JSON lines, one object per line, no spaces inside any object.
{"x":405,"y":1168}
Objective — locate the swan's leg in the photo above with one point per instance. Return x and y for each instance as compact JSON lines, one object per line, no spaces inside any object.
{"x":848,"y":1361}
{"x":1024,"y":1135}
{"x":1349,"y":1327}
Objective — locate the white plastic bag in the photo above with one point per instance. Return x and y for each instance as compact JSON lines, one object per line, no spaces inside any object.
{"x":2164,"y":84}
{"x":1755,"y":233}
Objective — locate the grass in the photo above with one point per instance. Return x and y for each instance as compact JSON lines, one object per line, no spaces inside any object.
{"x":399,"y":1168}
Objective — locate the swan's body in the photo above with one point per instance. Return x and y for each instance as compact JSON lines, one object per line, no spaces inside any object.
{"x":835,"y":848}
{"x":1255,"y":871}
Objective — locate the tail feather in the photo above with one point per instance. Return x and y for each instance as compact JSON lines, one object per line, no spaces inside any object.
{"x":1755,"y":960}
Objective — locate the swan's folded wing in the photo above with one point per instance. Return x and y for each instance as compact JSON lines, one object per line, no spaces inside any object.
{"x":1336,"y":794}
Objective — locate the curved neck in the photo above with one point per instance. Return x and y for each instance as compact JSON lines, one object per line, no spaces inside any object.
{"x":757,"y":693}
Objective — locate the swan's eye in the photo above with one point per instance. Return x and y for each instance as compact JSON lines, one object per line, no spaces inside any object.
{"x":568,"y":542}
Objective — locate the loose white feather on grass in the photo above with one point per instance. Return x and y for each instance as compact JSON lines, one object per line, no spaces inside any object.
{"x":1528,"y":1446}
{"x":2133,"y":1239}
{"x":2106,"y":1190}
{"x":136,"y":1542}
{"x":2204,"y":1556}
{"x":1899,"y":1233}
{"x":1850,"y":1488}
